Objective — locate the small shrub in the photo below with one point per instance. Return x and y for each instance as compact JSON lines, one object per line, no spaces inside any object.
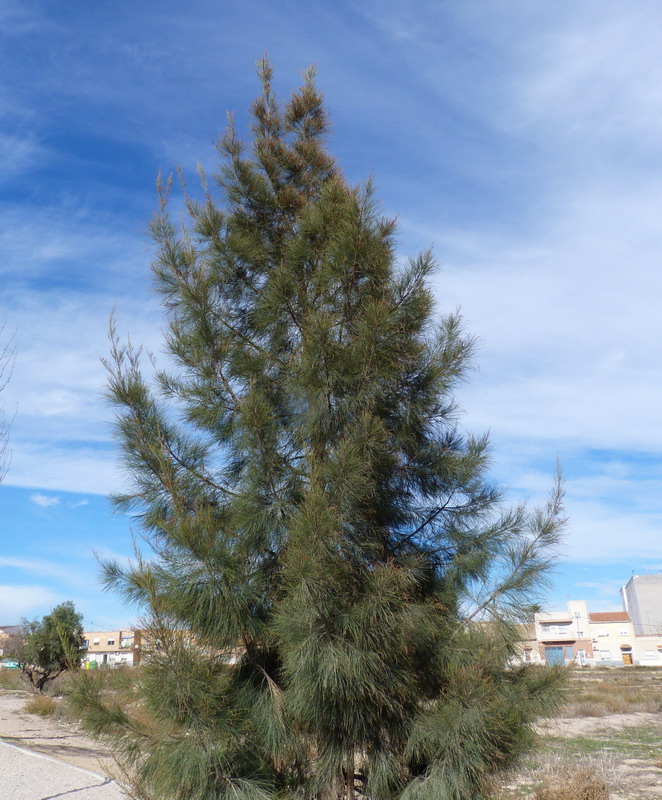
{"x":40,"y":704}
{"x":581,"y":785}
{"x":10,"y":679}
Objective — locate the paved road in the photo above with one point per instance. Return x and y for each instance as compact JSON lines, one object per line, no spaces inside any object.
{"x":32,"y":776}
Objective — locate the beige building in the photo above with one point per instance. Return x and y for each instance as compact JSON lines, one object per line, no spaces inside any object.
{"x":603,"y":638}
{"x":112,"y":648}
{"x":564,"y":637}
{"x":612,"y":634}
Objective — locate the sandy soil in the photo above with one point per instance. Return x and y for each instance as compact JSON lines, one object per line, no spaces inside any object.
{"x":628,"y":778}
{"x":45,"y":735}
{"x":571,"y":727}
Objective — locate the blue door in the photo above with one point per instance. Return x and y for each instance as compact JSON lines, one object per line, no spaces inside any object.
{"x":555,"y":655}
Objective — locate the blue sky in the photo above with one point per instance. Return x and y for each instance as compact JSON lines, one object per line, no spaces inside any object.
{"x":522,"y":140}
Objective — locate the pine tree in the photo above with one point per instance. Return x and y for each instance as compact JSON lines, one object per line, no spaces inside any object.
{"x":334,"y":585}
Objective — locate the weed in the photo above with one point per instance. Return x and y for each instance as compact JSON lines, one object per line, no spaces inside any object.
{"x":10,"y":679}
{"x":583,"y":784}
{"x":40,"y":704}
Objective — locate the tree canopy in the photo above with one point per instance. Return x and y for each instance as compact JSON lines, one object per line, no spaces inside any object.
{"x":334,"y":581}
{"x":48,"y":647}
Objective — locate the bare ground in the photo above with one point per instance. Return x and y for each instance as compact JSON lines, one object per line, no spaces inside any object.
{"x":48,"y":736}
{"x":624,"y":749}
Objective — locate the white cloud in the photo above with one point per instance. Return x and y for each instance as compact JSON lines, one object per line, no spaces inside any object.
{"x":78,"y":504}
{"x":597,"y":75}
{"x":48,"y":569}
{"x":63,"y":467}
{"x":603,"y":589}
{"x":17,"y":602}
{"x":19,"y":153}
{"x":62,"y":426}
{"x":43,"y":500}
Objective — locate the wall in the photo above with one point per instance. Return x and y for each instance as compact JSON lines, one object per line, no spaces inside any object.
{"x":642,"y":598}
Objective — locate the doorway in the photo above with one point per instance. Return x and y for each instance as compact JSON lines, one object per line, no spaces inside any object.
{"x":555,"y":655}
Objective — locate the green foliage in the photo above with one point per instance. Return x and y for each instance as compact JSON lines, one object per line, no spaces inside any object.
{"x":335,"y":585}
{"x":48,"y":647}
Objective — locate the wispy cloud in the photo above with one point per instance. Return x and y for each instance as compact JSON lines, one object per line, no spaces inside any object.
{"x":44,"y":500}
{"x":78,"y":504}
{"x":33,"y":567}
{"x":517,"y":144}
{"x":17,"y":602}
{"x":61,"y":432}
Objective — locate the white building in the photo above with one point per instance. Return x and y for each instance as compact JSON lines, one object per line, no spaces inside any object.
{"x":642,"y":599}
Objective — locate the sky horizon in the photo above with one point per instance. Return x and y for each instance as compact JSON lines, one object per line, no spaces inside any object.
{"x":521,"y":143}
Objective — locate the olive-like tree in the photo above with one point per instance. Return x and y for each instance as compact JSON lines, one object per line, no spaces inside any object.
{"x":48,"y":647}
{"x":335,"y":584}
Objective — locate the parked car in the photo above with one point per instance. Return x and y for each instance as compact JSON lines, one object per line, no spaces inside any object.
{"x":9,"y":663}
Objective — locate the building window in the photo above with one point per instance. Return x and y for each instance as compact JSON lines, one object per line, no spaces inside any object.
{"x":111,"y":641}
{"x":87,"y":642}
{"x":603,"y":632}
{"x":624,"y":632}
{"x":649,"y":654}
{"x":97,"y":641}
{"x":605,"y":655}
{"x":553,"y":627}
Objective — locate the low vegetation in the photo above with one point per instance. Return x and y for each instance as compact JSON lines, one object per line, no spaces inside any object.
{"x":599,"y":692}
{"x":606,"y":739}
{"x":41,"y":704}
{"x":11,"y":679}
{"x":583,"y":784}
{"x":582,"y":755}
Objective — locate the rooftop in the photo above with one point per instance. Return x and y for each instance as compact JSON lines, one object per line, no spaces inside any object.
{"x":609,"y":616}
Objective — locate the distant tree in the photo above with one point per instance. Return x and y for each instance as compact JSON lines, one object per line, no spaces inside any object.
{"x":48,"y":647}
{"x":315,"y":510}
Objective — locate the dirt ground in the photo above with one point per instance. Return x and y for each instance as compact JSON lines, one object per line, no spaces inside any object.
{"x":587,"y":726}
{"x":45,"y":735}
{"x":625,"y":750}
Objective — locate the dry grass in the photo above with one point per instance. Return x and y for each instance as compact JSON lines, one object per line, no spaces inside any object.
{"x":584,"y":784}
{"x":557,"y":771}
{"x":40,"y":704}
{"x":620,"y":690}
{"x":11,"y":679}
